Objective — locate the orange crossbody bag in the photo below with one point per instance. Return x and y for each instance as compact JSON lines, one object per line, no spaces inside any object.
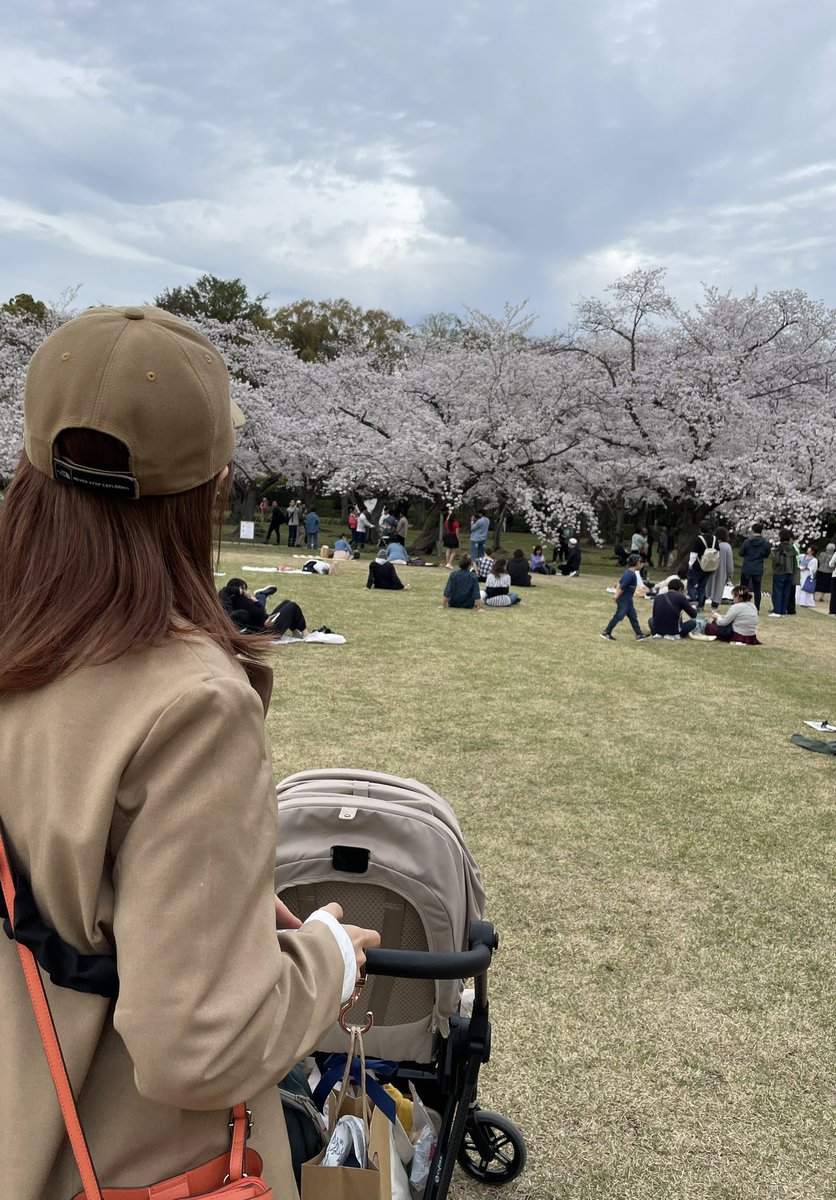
{"x":235,"y":1175}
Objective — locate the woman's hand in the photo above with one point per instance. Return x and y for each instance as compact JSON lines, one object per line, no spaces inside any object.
{"x":361,"y":939}
{"x":285,"y":918}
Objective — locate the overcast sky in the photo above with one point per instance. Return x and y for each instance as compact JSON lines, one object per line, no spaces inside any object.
{"x":417,"y":156}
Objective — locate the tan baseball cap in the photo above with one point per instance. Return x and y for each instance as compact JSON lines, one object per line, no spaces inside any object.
{"x":143,"y":376}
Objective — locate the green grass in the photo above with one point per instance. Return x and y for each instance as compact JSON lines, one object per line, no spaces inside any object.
{"x":659,"y":861}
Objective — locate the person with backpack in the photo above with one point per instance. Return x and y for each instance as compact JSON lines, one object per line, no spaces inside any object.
{"x":784,"y":571}
{"x":703,"y":561}
{"x":754,"y":553}
{"x":716,"y":582}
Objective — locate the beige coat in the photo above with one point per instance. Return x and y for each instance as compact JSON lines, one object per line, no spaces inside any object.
{"x":138,"y":797}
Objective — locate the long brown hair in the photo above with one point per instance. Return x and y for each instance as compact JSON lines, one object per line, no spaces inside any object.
{"x":85,"y":579}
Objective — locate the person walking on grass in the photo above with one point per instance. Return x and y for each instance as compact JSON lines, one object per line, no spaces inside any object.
{"x":276,"y":522}
{"x":624,"y":601}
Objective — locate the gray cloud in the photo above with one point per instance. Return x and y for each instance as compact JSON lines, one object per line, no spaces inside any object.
{"x":416,"y":157}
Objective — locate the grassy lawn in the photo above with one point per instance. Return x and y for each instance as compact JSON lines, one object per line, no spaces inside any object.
{"x":659,"y":861}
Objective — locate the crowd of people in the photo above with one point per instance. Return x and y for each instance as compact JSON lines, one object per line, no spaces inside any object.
{"x":798,"y":578}
{"x":481,"y":580}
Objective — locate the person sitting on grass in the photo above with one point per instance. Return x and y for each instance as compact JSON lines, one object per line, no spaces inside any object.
{"x":518,"y":569}
{"x":624,"y":596}
{"x":663,"y":585}
{"x":740,"y":623}
{"x":462,"y":587}
{"x":572,"y":566}
{"x":483,"y":567}
{"x":342,"y":549}
{"x":382,"y":575}
{"x":538,"y":562}
{"x":396,"y":553}
{"x":498,"y":592}
{"x":249,"y":612}
{"x":668,"y":610}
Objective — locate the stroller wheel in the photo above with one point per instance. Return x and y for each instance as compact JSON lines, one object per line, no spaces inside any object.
{"x":493,"y":1149}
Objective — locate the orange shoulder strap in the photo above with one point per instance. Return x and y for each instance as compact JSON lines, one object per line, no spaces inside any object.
{"x":49,"y":1037}
{"x":240,"y":1119}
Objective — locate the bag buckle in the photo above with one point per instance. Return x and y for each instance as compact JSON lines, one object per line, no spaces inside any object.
{"x":250,"y":1123}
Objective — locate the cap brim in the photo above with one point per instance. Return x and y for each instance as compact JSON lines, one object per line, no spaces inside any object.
{"x":238,"y":417}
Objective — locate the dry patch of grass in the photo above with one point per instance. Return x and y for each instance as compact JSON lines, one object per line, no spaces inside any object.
{"x":658,"y":858}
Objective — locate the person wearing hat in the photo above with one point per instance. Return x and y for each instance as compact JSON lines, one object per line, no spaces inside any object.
{"x":572,"y":566}
{"x":143,"y":826}
{"x":624,"y":601}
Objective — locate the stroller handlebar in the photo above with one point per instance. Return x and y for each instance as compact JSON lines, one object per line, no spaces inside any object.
{"x":424,"y":964}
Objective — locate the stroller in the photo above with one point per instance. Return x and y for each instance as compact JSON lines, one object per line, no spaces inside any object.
{"x":390,"y":851}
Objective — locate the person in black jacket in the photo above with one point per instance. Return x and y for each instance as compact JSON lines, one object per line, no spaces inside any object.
{"x":518,"y":569}
{"x":572,"y":566}
{"x":382,"y":575}
{"x":668,"y":610}
{"x":249,"y":612}
{"x":754,"y":553}
{"x":277,"y":519}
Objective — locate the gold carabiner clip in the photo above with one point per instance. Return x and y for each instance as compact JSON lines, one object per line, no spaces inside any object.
{"x":349,"y":1004}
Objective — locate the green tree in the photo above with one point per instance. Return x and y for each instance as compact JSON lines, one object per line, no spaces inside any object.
{"x":320,"y":330}
{"x":24,"y":305}
{"x":442,"y":327}
{"x":225,"y":300}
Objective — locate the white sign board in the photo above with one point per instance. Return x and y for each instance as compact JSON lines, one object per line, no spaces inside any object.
{"x":247,"y":533}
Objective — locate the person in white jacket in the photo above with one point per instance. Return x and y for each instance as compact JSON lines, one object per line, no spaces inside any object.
{"x":805,"y":590}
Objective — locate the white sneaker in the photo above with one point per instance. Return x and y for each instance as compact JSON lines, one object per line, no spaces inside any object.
{"x":775,"y":614}
{"x":672,"y":637}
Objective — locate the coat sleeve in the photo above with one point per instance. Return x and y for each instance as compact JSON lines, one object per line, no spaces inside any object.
{"x":213,"y":1007}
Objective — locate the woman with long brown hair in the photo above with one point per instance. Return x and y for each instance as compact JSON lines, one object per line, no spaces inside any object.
{"x":136,"y":795}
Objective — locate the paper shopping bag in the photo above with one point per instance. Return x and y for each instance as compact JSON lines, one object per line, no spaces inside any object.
{"x":372,"y":1179}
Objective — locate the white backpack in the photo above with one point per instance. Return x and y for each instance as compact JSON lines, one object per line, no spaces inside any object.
{"x":709,"y":560}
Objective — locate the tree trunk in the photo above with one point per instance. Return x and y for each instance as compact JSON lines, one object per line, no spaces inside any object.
{"x":498,"y":529}
{"x":344,"y":504}
{"x":427,"y":539}
{"x":619,"y":521}
{"x":243,"y":500}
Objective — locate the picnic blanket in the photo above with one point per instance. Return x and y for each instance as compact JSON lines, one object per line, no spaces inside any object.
{"x":329,"y":639}
{"x":815,"y":744}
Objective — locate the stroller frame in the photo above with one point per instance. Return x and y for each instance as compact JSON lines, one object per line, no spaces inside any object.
{"x":466,"y":1133}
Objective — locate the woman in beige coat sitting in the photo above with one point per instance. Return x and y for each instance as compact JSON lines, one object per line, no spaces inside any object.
{"x":142,"y":816}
